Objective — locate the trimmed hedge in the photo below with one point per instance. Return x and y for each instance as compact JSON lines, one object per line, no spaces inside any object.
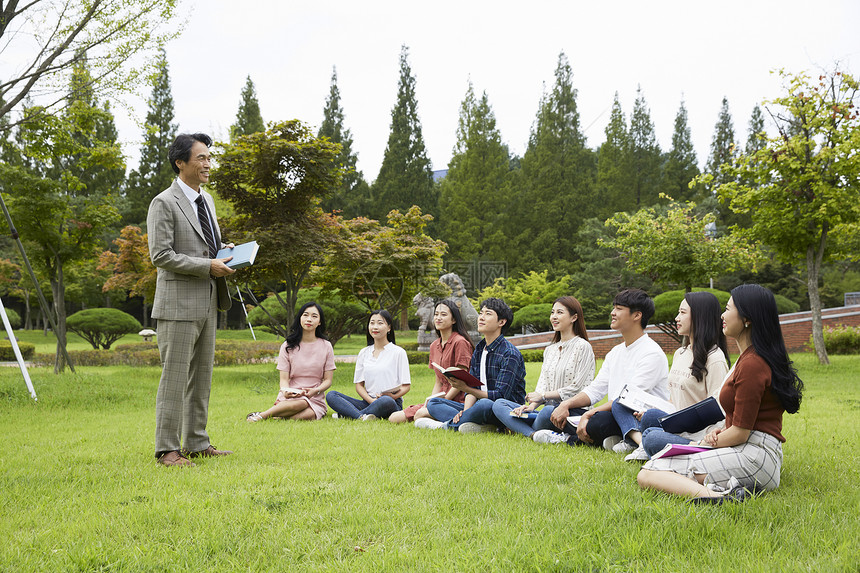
{"x":840,"y":339}
{"x":532,"y":355}
{"x":7,"y":353}
{"x":227,"y":353}
{"x":416,"y":357}
{"x":14,"y":318}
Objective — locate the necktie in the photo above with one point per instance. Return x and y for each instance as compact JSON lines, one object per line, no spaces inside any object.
{"x":203,"y":215}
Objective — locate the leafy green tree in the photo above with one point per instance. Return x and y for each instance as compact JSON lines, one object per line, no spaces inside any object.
{"x":114,"y":34}
{"x":154,"y":173}
{"x":275,"y":181}
{"x":681,"y":165}
{"x":248,"y":118}
{"x":530,"y":288}
{"x":644,"y":155}
{"x":756,"y":136}
{"x":805,"y":178}
{"x":533,"y":317}
{"x":382,"y":266}
{"x":101,"y":327}
{"x":558,"y":176}
{"x":674,"y":249}
{"x":614,"y":167}
{"x":405,"y":178}
{"x":343,"y":314}
{"x":473,"y":208}
{"x":352,"y":198}
{"x":601,"y":273}
{"x":723,"y":147}
{"x":62,"y":218}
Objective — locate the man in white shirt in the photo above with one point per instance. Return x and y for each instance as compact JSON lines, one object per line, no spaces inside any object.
{"x":638,"y":362}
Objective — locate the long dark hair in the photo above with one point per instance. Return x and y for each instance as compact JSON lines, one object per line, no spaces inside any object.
{"x":385,"y":316}
{"x":294,"y":338}
{"x":573,"y":307}
{"x":706,"y":329}
{"x":459,"y":327}
{"x":757,"y":305}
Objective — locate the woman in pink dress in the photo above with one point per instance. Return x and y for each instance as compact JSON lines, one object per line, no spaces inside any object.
{"x":306,"y":364}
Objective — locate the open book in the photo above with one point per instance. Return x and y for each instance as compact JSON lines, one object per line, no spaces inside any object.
{"x":243,"y":255}
{"x":639,"y":401}
{"x":459,"y":374}
{"x":680,"y":450}
{"x":530,"y":416}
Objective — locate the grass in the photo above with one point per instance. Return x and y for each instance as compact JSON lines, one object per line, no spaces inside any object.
{"x":82,"y":492}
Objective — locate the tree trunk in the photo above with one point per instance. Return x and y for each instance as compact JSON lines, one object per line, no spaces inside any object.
{"x":145,"y":315}
{"x":813,"y":268}
{"x":59,"y":288}
{"x":28,"y":319}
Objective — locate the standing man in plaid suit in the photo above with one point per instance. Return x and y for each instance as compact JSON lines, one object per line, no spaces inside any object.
{"x":184,"y":238}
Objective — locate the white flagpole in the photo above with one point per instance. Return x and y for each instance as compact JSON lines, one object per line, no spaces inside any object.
{"x":17,"y":350}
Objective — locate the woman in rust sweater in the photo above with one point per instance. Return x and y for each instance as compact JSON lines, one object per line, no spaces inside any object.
{"x":747,"y":454}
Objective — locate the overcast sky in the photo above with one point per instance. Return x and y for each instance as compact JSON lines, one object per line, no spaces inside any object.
{"x":692,"y":50}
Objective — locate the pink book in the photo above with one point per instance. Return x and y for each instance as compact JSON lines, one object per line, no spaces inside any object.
{"x":680,"y":450}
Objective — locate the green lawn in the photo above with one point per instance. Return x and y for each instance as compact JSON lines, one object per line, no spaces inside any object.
{"x":81,"y":490}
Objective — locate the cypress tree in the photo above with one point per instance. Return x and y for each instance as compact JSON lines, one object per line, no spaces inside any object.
{"x":154,"y":173}
{"x":472,"y":202}
{"x":248,"y":118}
{"x":405,"y":178}
{"x":353,"y":195}
{"x":614,"y":169}
{"x":558,"y":176}
{"x":680,"y":166}
{"x":723,"y":147}
{"x":755,"y":133}
{"x":644,"y":154}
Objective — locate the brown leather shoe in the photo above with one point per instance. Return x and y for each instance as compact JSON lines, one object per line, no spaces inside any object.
{"x":175,"y":459}
{"x":209,"y":452}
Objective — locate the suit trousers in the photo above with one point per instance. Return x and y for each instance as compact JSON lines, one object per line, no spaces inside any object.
{"x":187,"y":349}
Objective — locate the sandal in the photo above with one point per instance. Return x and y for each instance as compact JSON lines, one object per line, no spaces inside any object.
{"x":255,"y":417}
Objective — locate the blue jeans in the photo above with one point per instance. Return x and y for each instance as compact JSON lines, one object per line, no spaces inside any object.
{"x":354,"y":408}
{"x":624,"y":418}
{"x":654,"y":437}
{"x":444,"y":411}
{"x":502,"y":410}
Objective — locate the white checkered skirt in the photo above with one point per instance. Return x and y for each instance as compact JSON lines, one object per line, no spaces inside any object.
{"x":755,"y":464}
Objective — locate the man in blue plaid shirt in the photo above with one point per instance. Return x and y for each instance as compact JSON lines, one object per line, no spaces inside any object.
{"x":497,"y":364}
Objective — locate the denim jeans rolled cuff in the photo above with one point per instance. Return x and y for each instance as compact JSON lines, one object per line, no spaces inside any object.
{"x":625,"y":419}
{"x":442,"y":409}
{"x":655,"y":439}
{"x":354,"y":408}
{"x":480,"y":413}
{"x":651,"y":419}
{"x":502,"y":411}
{"x":383,"y":407}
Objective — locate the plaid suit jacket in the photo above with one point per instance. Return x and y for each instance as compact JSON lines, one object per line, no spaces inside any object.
{"x":180,"y":253}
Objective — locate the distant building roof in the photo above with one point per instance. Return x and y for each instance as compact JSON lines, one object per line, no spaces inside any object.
{"x":439,"y":174}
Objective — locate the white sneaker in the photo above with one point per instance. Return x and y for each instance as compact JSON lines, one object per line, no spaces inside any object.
{"x":473,"y":428}
{"x":610,"y":442}
{"x":367,"y":417}
{"x":428,"y":424}
{"x":623,"y":447}
{"x":550,"y":437}
{"x":638,"y":455}
{"x":334,"y":416}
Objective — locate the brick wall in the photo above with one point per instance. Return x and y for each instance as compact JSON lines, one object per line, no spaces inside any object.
{"x":796,"y":329}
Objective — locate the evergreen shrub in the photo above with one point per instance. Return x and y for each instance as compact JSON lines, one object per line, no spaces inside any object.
{"x":101,"y":327}
{"x":7,"y":353}
{"x":840,"y":339}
